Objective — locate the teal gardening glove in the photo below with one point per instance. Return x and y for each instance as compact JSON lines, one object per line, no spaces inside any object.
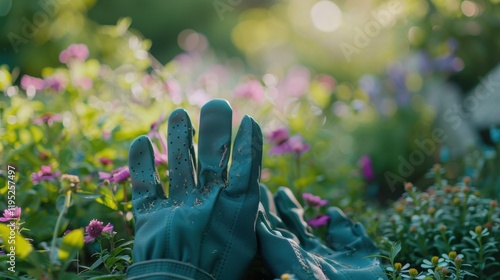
{"x":346,"y":256}
{"x":205,"y":228}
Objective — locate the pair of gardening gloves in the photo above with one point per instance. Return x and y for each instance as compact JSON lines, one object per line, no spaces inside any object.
{"x":214,"y":222}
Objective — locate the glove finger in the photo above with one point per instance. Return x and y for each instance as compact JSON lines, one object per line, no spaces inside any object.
{"x":246,"y":161}
{"x":340,"y":232}
{"x":180,"y":156}
{"x":146,"y":187}
{"x":283,"y":255}
{"x":214,"y":144}
{"x":291,"y":213}
{"x":267,"y":200}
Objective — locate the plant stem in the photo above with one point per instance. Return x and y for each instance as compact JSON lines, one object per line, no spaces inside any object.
{"x":53,"y":252}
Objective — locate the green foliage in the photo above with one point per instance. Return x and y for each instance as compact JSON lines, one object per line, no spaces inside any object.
{"x":443,"y":219}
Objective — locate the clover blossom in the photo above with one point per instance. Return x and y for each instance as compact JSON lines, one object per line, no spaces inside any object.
{"x":45,"y":174}
{"x":11,"y":214}
{"x":96,"y":229}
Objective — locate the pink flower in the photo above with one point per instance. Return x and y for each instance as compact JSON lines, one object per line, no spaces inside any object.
{"x":116,"y":176}
{"x":11,"y":214}
{"x":45,"y":174}
{"x":366,"y":168}
{"x":321,"y":220}
{"x":75,"y":52}
{"x":297,"y":146}
{"x":174,"y":90}
{"x":96,"y":229}
{"x":28,"y":81}
{"x":314,"y":200}
{"x":48,"y":118}
{"x":296,"y":83}
{"x":161,"y":157}
{"x":283,"y":144}
{"x":55,"y":83}
{"x":278,"y":136}
{"x":252,"y":90}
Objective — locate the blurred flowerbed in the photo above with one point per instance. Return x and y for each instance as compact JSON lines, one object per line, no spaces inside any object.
{"x":334,"y":141}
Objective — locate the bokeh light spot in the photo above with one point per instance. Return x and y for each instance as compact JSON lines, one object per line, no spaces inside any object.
{"x":326,"y":16}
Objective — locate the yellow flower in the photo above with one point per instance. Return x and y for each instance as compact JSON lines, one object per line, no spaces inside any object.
{"x":456,"y":201}
{"x":398,"y":266}
{"x":413,"y":272}
{"x":285,"y":276}
{"x":5,"y":78}
{"x":435,"y":260}
{"x":452,"y":255}
{"x":478,"y":230}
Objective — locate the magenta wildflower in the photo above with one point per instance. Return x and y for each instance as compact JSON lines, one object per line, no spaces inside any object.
{"x":11,"y":214}
{"x":252,"y":90}
{"x":75,"y":52}
{"x":36,"y":83}
{"x":45,"y":174}
{"x":116,"y":176}
{"x":96,"y":229}
{"x":320,"y":220}
{"x":314,"y":200}
{"x":367,"y":168}
{"x":278,"y":136}
{"x":48,"y":118}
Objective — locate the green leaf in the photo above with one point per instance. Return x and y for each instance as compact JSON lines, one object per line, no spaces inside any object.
{"x":71,"y":244}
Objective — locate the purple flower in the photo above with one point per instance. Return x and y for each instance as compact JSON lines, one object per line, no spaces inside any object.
{"x":296,"y":145}
{"x":116,"y":176}
{"x":36,"y":83}
{"x":278,"y":136}
{"x":96,"y":229}
{"x":252,"y":90}
{"x":11,"y":214}
{"x":75,"y":52}
{"x":320,"y":220}
{"x":48,"y":118}
{"x":283,"y":144}
{"x":314,"y":200}
{"x":367,"y":168}
{"x":45,"y":174}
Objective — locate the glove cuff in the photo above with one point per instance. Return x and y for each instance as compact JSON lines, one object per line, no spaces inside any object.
{"x":163,"y":268}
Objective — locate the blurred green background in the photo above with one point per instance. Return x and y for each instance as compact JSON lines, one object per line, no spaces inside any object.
{"x":390,"y":60}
